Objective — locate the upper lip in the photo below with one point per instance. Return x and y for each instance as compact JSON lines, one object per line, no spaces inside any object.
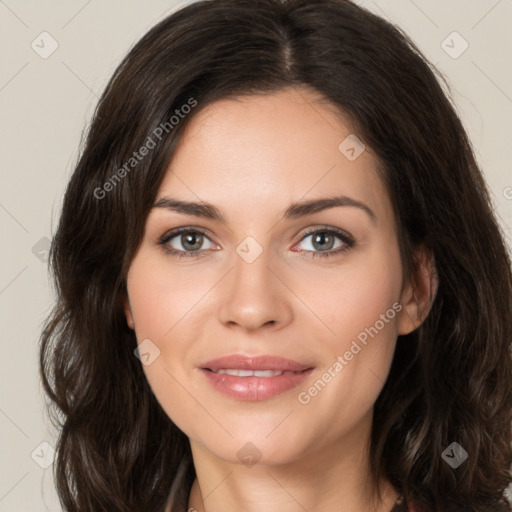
{"x":266,"y":362}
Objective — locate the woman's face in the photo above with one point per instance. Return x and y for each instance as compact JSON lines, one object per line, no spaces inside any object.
{"x":271,"y":276}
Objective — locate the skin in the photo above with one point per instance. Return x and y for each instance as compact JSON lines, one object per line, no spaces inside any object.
{"x":251,"y":158}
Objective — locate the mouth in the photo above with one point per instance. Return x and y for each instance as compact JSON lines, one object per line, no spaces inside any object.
{"x":254,"y":378}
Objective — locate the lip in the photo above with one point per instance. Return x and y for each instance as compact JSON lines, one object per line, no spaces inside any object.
{"x":254,"y":388}
{"x":266,"y":362}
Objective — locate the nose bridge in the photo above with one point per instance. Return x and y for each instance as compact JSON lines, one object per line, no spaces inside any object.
{"x":253,"y":295}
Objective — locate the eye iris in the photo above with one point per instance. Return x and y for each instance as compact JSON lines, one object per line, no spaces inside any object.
{"x":191,"y":241}
{"x":319,"y":241}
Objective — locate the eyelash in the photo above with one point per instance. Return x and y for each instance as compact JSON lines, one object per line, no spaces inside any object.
{"x":341,"y":235}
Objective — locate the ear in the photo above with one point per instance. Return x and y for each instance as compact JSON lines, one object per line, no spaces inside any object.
{"x":418,"y":294}
{"x":128,"y":314}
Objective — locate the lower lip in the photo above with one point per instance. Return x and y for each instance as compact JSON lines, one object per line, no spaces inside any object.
{"x":254,"y":388}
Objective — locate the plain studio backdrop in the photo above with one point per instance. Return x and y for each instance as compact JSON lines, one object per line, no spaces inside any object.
{"x":56,"y":59}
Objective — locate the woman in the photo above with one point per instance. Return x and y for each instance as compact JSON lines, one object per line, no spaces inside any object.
{"x":281,"y":285}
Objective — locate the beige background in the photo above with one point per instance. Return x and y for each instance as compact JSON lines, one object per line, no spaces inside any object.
{"x":45,"y":105}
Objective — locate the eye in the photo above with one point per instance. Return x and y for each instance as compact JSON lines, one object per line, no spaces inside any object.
{"x":319,"y":243}
{"x":326,"y":242}
{"x":185,"y":242}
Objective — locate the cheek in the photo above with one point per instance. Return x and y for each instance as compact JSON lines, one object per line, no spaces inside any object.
{"x":357,"y":296}
{"x":360,"y":302}
{"x":160,"y":298}
{"x":162,"y":305}
{"x":365,"y":302}
{"x":159,"y":302}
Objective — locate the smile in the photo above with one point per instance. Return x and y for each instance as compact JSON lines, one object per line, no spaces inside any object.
{"x":254,"y":378}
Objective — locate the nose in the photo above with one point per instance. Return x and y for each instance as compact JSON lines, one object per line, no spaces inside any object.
{"x":254,"y":296}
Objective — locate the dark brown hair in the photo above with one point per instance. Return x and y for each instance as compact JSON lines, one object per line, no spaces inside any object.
{"x":450,"y":379}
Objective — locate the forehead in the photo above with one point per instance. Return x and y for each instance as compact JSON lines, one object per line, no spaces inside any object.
{"x":257,"y":151}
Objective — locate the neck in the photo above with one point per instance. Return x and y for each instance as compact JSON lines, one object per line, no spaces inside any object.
{"x":333,"y":479}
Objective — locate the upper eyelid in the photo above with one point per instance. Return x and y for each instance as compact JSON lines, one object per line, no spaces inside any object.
{"x":336,"y":231}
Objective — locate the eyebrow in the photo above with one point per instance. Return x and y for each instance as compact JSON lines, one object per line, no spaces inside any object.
{"x":295,"y":210}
